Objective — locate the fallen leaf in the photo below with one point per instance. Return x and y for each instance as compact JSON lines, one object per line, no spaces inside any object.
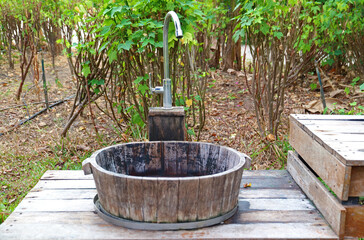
{"x":315,"y":106}
{"x":42,"y":124}
{"x":246,"y":185}
{"x":271,"y":137}
{"x":82,"y":148}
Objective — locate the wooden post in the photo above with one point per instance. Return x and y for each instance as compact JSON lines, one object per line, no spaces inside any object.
{"x":166,"y":124}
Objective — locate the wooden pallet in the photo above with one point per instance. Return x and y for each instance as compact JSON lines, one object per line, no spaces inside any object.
{"x":60,"y":206}
{"x":331,"y":147}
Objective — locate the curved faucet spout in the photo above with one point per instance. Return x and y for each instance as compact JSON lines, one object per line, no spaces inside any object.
{"x":179,"y":34}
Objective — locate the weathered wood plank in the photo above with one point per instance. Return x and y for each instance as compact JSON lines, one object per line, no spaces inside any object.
{"x":44,"y":194}
{"x":181,"y":159}
{"x":71,"y":205}
{"x":335,"y":174}
{"x":328,"y":117}
{"x":170,"y":155}
{"x":225,"y":231}
{"x":65,"y":184}
{"x":228,"y":192}
{"x":275,"y":204}
{"x":357,"y":182}
{"x":271,"y":193}
{"x":154,"y":153}
{"x":135,"y":198}
{"x":342,"y":137}
{"x":167,"y":197}
{"x":66,"y":175}
{"x":265,"y":173}
{"x":205,"y":190}
{"x":269,"y":182}
{"x":354,"y":223}
{"x":150,"y":198}
{"x":188,"y":200}
{"x":278,"y":216}
{"x":328,"y":205}
{"x":166,"y":124}
{"x":122,"y":198}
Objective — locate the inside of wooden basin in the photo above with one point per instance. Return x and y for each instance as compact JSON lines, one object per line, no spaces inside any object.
{"x":167,"y":159}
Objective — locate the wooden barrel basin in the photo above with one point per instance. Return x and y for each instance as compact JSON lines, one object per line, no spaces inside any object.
{"x":167,"y":182}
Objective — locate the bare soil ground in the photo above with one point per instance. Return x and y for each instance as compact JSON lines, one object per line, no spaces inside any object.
{"x":29,"y":150}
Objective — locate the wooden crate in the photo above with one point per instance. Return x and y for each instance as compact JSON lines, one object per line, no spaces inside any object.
{"x":333,"y":146}
{"x":345,"y":218}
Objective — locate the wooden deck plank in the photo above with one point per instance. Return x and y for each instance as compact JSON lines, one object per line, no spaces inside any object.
{"x":270,"y":193}
{"x":51,"y":211}
{"x":224,"y":231}
{"x":65,"y":175}
{"x":66,"y":184}
{"x":328,"y":117}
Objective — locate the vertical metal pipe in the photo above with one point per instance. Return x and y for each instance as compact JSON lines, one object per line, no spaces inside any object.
{"x":167,"y":95}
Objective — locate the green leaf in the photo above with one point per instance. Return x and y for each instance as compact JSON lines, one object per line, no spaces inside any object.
{"x":103,"y":46}
{"x":112,"y":56}
{"x":278,"y":35}
{"x":138,"y":80}
{"x":353,"y":104}
{"x":105,"y":30}
{"x":191,"y":132}
{"x":362,"y":87}
{"x":126,"y":46}
{"x":198,"y":98}
{"x":124,"y":22}
{"x":143,"y":88}
{"x":86,"y":70}
{"x":313,"y":86}
{"x":347,"y":90}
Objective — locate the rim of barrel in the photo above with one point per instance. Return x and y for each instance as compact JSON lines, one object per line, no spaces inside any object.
{"x":92,"y":160}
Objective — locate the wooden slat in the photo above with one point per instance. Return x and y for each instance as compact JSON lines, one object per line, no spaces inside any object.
{"x":335,"y":174}
{"x":66,"y":175}
{"x":167,"y":197}
{"x":269,"y":182}
{"x":170,"y":154}
{"x":354,"y":223}
{"x":72,"y":205}
{"x":265,"y":174}
{"x":278,"y":216}
{"x":357,"y":182}
{"x":65,"y":184}
{"x":328,"y":205}
{"x":135,"y":198}
{"x":45,"y":194}
{"x":188,"y":199}
{"x":342,"y":137}
{"x":150,"y":198}
{"x":275,"y":204}
{"x":328,"y":117}
{"x":205,"y":194}
{"x":271,"y":193}
{"x":107,"y":231}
